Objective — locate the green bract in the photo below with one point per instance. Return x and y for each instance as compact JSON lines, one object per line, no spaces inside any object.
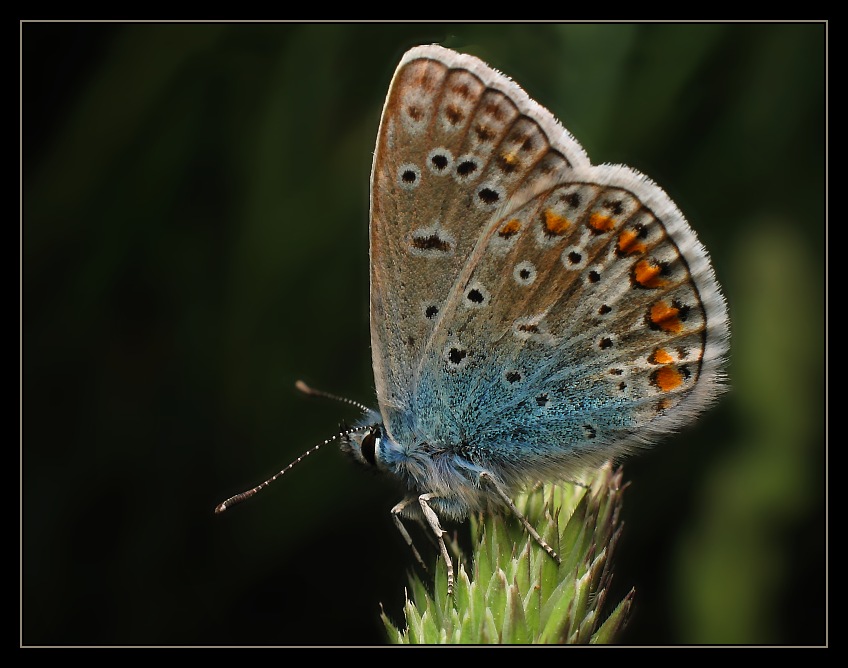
{"x":511,"y":591}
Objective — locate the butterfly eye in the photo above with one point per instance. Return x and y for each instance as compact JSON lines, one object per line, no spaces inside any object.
{"x":369,"y":447}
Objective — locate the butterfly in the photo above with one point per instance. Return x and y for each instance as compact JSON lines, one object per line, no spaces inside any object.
{"x":533,"y":315}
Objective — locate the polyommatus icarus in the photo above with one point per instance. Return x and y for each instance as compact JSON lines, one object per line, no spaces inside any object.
{"x":532,"y":315}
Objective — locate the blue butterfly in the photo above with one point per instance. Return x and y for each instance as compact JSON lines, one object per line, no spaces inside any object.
{"x":532,"y":315}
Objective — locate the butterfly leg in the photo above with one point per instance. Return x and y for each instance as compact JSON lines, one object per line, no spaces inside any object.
{"x":487,"y":477}
{"x":396,"y":513}
{"x":433,"y":521}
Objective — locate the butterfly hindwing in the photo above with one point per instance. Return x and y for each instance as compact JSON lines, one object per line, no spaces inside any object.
{"x":457,"y":141}
{"x":589,"y":334}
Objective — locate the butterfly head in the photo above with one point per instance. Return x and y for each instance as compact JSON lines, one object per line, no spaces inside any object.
{"x":364,"y":445}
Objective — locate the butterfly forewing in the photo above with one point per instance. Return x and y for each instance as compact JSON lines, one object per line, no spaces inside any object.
{"x":455,"y":144}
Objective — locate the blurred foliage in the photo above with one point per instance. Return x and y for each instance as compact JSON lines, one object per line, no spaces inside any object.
{"x":194,"y":239}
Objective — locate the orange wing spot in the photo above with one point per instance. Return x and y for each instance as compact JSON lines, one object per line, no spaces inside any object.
{"x":628,"y":243}
{"x":509,"y":158}
{"x":646,"y":273}
{"x":509,"y":229}
{"x":667,"y":378}
{"x":601,"y":223}
{"x":554,"y":223}
{"x":508,"y":161}
{"x":666,"y":317}
{"x":660,"y":356}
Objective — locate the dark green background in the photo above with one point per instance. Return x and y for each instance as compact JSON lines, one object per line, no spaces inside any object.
{"x":195,"y":221}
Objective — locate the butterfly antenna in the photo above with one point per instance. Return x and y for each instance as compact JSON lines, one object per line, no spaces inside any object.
{"x":238,"y":498}
{"x":303,"y":387}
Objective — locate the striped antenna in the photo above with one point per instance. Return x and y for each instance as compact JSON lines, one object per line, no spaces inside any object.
{"x":303,"y":387}
{"x":238,"y":498}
